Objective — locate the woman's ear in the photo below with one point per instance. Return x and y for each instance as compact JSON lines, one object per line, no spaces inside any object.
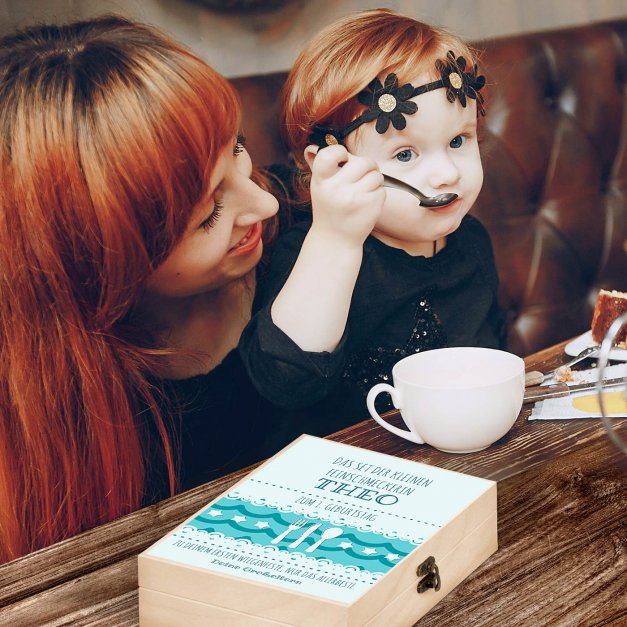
{"x":310,"y":154}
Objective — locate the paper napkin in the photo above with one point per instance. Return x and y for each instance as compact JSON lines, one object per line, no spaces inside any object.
{"x":585,"y":404}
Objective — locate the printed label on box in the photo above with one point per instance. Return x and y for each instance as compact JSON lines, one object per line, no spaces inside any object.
{"x":324,"y":518}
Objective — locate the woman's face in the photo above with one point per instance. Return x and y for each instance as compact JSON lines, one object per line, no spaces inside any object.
{"x":222,"y":241}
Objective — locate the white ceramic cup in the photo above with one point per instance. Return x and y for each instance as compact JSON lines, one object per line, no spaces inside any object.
{"x":458,"y":400}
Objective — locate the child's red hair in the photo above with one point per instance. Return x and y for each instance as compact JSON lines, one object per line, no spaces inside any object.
{"x":344,"y":58}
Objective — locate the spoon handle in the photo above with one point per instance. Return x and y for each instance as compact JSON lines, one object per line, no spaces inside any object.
{"x":587,"y":352}
{"x":390,"y":181}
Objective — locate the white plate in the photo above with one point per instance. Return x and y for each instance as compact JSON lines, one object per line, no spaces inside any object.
{"x":584,"y":341}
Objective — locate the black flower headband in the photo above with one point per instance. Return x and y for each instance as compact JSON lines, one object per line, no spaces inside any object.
{"x":390,"y":103}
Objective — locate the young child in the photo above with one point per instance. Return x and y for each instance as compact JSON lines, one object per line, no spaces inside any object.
{"x":374,"y":276}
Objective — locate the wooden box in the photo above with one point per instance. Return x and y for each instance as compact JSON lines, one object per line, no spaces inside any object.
{"x":321,"y":534}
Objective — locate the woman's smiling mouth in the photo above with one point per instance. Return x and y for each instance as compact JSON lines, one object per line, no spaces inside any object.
{"x":249,"y":242}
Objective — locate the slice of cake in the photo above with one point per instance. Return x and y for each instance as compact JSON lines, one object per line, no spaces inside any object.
{"x":608,"y":307}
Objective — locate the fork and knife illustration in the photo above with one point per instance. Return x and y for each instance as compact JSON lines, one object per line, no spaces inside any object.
{"x":331,"y":532}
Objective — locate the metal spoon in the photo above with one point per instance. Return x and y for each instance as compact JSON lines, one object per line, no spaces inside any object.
{"x":426,"y":201}
{"x":535,"y":377}
{"x":587,"y":352}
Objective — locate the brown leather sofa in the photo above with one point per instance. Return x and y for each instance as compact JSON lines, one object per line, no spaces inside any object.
{"x":555,"y":158}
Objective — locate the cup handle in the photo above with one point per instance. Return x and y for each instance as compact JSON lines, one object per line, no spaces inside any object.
{"x":396,"y":399}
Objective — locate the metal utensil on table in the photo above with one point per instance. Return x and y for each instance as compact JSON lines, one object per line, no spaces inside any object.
{"x":295,"y":525}
{"x":544,"y":392}
{"x":584,"y":354}
{"x":426,"y":201}
{"x":535,"y":377}
{"x":327,"y":534}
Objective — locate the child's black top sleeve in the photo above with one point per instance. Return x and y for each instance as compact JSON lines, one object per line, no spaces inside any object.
{"x":284,"y":373}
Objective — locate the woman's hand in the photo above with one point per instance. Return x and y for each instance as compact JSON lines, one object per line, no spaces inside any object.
{"x":347,"y":195}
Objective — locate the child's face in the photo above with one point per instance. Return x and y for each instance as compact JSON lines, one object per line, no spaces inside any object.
{"x":223,"y":239}
{"x":437,"y":152}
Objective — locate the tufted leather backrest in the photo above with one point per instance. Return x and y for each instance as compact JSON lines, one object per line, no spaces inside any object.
{"x":555,"y":193}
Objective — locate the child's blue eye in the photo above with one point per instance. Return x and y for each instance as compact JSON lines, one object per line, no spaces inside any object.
{"x":457,"y":142}
{"x":405,"y":155}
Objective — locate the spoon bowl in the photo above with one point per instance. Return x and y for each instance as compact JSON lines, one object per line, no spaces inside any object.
{"x":426,"y":201}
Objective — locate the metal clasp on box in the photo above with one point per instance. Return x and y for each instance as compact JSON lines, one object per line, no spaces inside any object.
{"x":430,"y":574}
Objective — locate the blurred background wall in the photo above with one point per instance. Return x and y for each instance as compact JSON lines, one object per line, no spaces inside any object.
{"x":241,"y":37}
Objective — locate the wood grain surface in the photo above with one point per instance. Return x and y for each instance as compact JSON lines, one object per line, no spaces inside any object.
{"x":562,"y":557}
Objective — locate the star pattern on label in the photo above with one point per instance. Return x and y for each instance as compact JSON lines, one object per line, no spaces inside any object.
{"x":238,"y":519}
{"x":346,"y":545}
{"x":368,"y":551}
{"x":262,"y":525}
{"x":392,"y":556}
{"x":214,"y":512}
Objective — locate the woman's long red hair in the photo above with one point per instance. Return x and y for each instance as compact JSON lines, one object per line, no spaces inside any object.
{"x":108,"y":133}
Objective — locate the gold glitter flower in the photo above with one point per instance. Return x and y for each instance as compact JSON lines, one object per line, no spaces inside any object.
{"x":460,"y":83}
{"x":387,"y":103}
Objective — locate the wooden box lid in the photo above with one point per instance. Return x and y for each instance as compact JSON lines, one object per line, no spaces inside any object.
{"x":322,"y":533}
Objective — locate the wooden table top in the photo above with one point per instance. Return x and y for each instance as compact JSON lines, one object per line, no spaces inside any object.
{"x":562,"y":521}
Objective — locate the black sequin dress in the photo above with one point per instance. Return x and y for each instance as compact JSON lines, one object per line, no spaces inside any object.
{"x":401,"y":305}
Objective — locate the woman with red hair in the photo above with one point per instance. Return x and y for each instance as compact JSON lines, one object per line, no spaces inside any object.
{"x":130,"y":228}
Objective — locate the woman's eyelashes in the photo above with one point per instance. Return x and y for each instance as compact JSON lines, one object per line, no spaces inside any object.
{"x":240,"y":144}
{"x":213,"y":216}
{"x":218,"y":204}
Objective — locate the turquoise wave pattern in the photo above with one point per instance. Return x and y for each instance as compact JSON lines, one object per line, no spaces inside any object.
{"x":261,"y":525}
